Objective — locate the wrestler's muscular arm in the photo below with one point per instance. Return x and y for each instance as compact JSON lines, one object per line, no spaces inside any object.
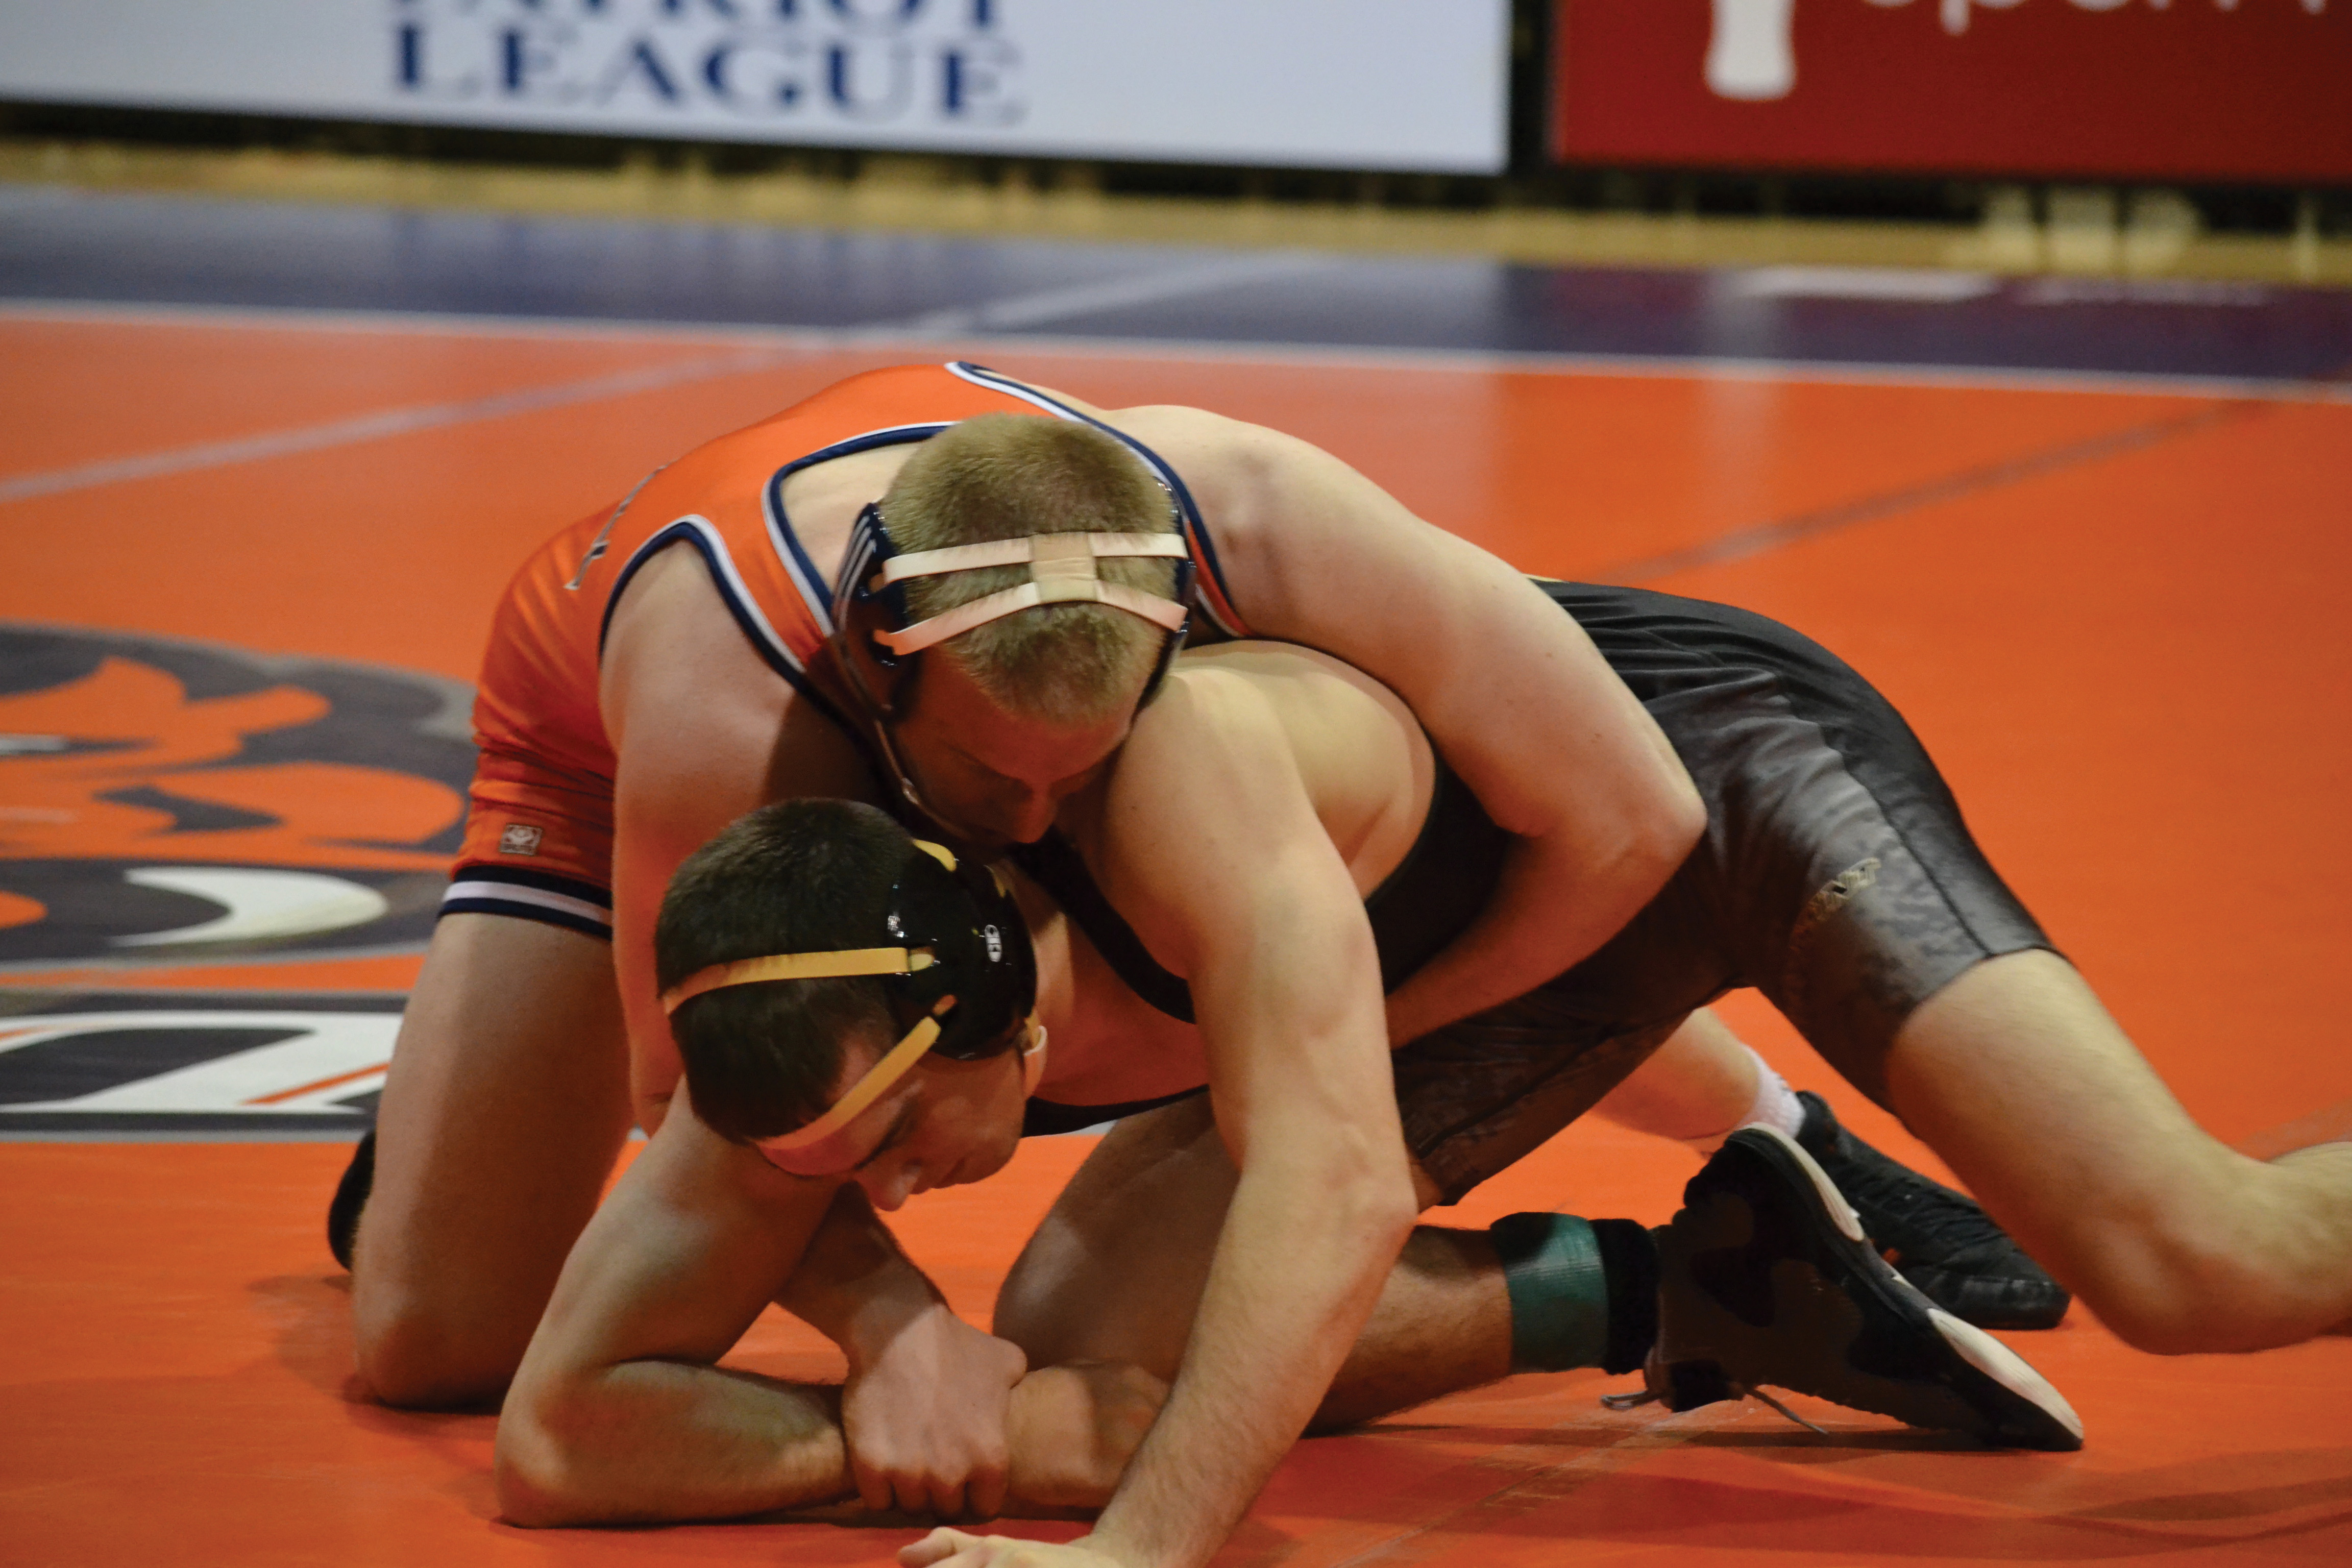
{"x":1509,"y":690}
{"x":618,"y":1413}
{"x":1210,"y":837}
{"x":704,"y":731}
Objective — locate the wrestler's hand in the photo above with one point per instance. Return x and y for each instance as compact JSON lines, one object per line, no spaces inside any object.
{"x":925,"y":1417}
{"x":945,"y":1548}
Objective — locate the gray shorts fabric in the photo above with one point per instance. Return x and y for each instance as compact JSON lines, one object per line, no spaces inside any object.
{"x":1835,"y":875}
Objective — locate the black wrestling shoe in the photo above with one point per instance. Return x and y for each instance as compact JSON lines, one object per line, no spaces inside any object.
{"x":1765,"y":1278}
{"x":1937,"y":1239}
{"x":350,"y":1197}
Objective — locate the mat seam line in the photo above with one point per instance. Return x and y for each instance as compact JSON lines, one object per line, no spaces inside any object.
{"x":386,"y":424}
{"x":1759,"y":539}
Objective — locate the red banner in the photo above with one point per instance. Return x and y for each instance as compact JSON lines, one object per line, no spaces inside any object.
{"x":2167,"y":89}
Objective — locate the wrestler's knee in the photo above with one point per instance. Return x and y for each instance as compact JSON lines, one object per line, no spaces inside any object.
{"x":1063,"y":1305}
{"x":2202,"y":1268}
{"x":530,"y":1481}
{"x":1116,"y":1268}
{"x":417,"y":1353}
{"x":1072,"y":1429}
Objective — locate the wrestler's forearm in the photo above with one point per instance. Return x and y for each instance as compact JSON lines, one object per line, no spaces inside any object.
{"x":1554,"y":906}
{"x":1308,"y":1239}
{"x":653,"y":1440}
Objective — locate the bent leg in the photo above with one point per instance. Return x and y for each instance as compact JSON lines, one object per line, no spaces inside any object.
{"x":1700,"y":1084}
{"x":1116,"y":1270}
{"x":505,"y":1108}
{"x":2016,"y":1075}
{"x":1703,"y":1084}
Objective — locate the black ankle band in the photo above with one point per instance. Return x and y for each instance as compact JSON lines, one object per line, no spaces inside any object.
{"x":1629,"y":1258}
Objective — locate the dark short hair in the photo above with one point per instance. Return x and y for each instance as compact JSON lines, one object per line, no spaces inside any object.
{"x":762,"y":1060}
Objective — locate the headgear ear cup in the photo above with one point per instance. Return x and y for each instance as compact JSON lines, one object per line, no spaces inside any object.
{"x":952,"y":954}
{"x":984,"y":972}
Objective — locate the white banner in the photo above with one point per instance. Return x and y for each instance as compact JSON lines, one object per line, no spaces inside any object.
{"x":1372,"y":84}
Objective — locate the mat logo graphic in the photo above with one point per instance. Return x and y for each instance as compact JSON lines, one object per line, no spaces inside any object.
{"x":197,"y":1064}
{"x":165,"y":802}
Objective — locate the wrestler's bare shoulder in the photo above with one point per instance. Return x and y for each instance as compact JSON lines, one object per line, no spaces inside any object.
{"x":821,"y":501}
{"x":1207,"y":449}
{"x":1353,"y":747}
{"x":669,"y":634}
{"x":686,"y":1161}
{"x":686,"y":699}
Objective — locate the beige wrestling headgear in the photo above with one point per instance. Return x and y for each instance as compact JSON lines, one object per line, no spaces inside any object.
{"x":877,"y":651}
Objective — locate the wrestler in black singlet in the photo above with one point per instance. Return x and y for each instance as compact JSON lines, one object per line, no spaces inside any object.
{"x":1835,"y":875}
{"x":1440,"y":885}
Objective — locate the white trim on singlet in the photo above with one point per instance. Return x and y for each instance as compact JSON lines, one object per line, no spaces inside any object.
{"x":783,"y":538}
{"x":536,"y":898}
{"x":979,"y":376}
{"x":797,"y":565}
{"x":728,"y":581}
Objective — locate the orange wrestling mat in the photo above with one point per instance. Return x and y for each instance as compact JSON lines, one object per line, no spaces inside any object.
{"x":2114,"y":617}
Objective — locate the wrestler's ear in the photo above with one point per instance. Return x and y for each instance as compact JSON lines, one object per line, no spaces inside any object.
{"x":1033,"y":1059}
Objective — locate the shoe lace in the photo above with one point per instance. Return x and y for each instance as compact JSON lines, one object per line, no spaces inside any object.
{"x":1921,"y":1216}
{"x":1642,"y":1397}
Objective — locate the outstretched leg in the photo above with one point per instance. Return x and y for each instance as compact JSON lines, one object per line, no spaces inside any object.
{"x":1115,"y":1271}
{"x":505,"y":1109}
{"x":2017,"y":1076}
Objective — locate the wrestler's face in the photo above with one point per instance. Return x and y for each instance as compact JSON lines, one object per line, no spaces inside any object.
{"x":945,"y":1124}
{"x":992,"y":776}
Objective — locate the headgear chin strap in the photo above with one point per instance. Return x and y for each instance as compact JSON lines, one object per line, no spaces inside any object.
{"x":878,"y":650}
{"x":962,"y":982}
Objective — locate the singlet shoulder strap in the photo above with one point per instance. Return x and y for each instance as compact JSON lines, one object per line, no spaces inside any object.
{"x":1054,"y":864}
{"x":1436,"y":891}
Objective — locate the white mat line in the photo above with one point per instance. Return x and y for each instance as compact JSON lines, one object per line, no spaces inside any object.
{"x":380,"y":426}
{"x":822,"y":340}
{"x":1111,"y":294}
{"x":1021,"y":309}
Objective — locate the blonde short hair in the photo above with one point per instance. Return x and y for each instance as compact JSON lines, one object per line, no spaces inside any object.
{"x":1006,"y":476}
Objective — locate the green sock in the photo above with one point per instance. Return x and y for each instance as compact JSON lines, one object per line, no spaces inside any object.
{"x":1559,"y":1292}
{"x":1583,"y":1292}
